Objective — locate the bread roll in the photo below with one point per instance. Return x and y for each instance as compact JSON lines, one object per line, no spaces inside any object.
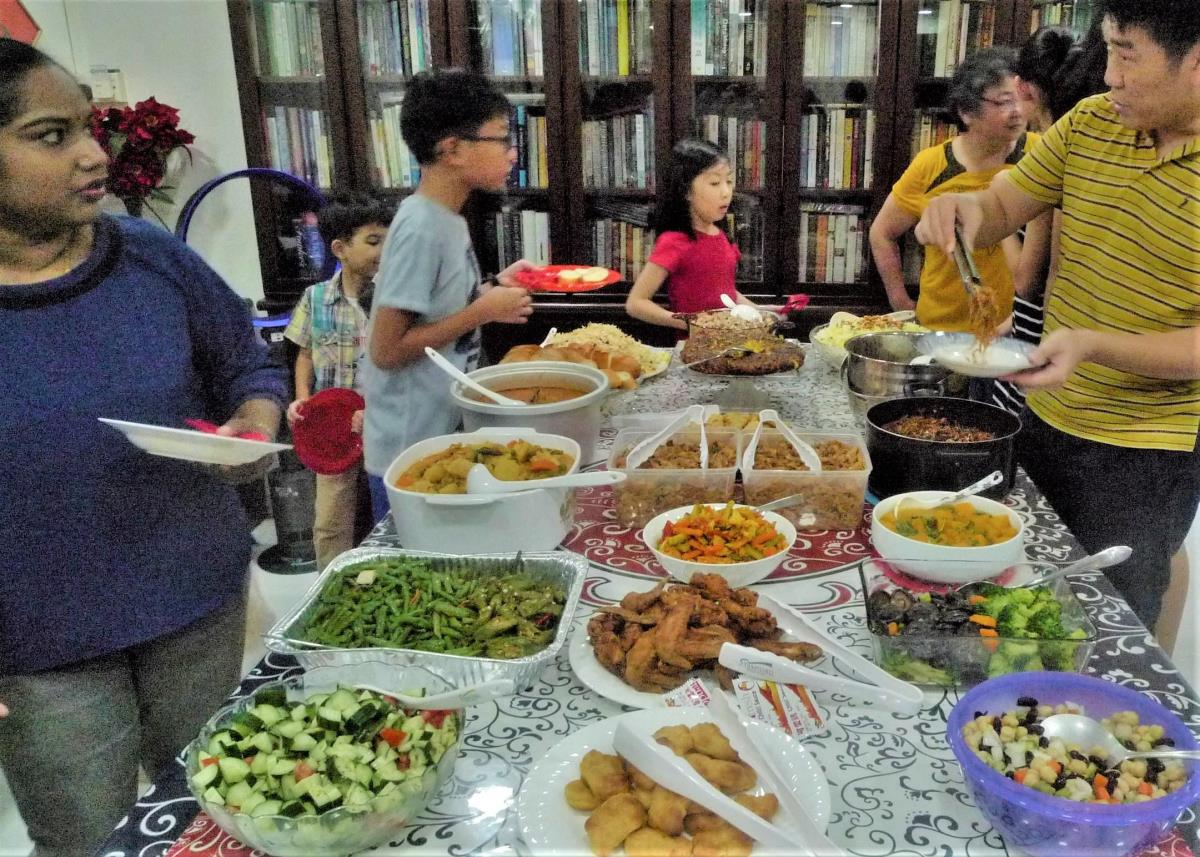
{"x":522,"y":353}
{"x":570,"y":275}
{"x":594,"y":275}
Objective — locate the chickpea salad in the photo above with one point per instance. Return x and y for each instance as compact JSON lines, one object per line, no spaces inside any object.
{"x":1013,"y":745}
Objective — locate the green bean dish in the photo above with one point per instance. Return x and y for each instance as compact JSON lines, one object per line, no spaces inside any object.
{"x":407,"y":603}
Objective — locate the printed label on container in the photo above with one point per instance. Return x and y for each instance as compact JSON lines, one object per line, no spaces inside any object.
{"x":787,"y":706}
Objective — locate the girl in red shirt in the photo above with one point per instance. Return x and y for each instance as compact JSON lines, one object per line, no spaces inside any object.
{"x":692,"y":254}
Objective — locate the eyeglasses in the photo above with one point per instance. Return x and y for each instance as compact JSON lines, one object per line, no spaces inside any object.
{"x":1007,"y":104}
{"x":507,"y":142}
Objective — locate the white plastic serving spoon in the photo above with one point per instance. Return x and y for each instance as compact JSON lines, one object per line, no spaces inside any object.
{"x":993,"y":478}
{"x":1088,"y":733}
{"x":456,"y":373}
{"x":481,"y":481}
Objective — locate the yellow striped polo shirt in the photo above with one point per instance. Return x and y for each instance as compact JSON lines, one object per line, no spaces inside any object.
{"x":1130,"y":263}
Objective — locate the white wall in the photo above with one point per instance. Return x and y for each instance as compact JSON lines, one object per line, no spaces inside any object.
{"x":179,"y":51}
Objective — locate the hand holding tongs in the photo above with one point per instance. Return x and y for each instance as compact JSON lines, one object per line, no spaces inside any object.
{"x":884,"y":689}
{"x":966,"y":263}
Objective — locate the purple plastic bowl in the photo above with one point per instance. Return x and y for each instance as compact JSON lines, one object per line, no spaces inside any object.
{"x":1047,"y":826}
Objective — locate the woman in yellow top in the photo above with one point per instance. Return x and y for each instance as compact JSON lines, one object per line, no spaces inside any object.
{"x":983,"y":100}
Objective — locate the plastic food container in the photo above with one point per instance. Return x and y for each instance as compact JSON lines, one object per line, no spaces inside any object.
{"x":834,"y":497}
{"x":566,"y":569}
{"x":533,"y":520}
{"x":649,"y":492}
{"x":578,"y":419}
{"x":343,"y":830}
{"x":1048,"y":826}
{"x":963,"y":661}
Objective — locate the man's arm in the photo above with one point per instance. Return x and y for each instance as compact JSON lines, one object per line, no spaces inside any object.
{"x":304,"y":377}
{"x":1170,"y":356}
{"x":987,"y":217}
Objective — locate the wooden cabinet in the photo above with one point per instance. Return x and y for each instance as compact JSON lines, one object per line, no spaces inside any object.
{"x":818,"y":103}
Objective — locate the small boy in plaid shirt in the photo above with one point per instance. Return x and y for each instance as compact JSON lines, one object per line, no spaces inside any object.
{"x":329,"y":325}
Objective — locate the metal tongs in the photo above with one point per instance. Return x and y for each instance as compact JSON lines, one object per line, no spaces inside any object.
{"x":966,"y":263}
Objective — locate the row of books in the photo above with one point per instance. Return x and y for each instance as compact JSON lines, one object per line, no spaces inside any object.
{"x":615,"y":37}
{"x":510,"y":34}
{"x":837,"y":147}
{"x":622,"y":246}
{"x":1076,"y":14}
{"x":298,"y":143}
{"x":833,"y":243}
{"x":618,"y":151}
{"x":394,"y":37}
{"x":291,"y":34}
{"x":931,"y":131}
{"x":729,"y":37}
{"x":529,"y":130}
{"x":840,"y":41}
{"x":745,"y":225}
{"x":744,"y":142}
{"x":959,"y":28}
{"x":522,"y":233}
{"x":395,"y":165}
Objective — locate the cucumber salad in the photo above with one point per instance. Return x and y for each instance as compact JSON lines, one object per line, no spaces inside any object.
{"x":354,"y":749}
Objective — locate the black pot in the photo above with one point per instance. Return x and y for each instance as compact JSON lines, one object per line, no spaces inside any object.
{"x":902,"y":463}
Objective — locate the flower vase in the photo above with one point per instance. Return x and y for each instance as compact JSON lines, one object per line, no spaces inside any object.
{"x":133,"y":205}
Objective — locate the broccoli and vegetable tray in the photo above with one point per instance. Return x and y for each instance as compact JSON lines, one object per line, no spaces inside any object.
{"x":960,"y":638}
{"x":500,"y":611}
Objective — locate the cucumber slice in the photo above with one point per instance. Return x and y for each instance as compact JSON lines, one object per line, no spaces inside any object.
{"x":279,"y":767}
{"x":233,"y":769}
{"x":291,"y":809}
{"x":303,"y":742}
{"x":342,"y":700}
{"x":238,"y":794}
{"x":262,"y":742}
{"x":261,"y":764}
{"x":268,"y":715}
{"x":267,"y":807}
{"x":288,"y":728}
{"x":213,"y":796}
{"x":252,"y":801}
{"x":329,"y":718}
{"x":204,"y":777}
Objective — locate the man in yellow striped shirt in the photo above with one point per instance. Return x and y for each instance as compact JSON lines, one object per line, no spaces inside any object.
{"x":1111,"y":428}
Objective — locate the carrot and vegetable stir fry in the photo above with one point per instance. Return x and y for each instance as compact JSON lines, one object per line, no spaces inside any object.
{"x":721,"y":536}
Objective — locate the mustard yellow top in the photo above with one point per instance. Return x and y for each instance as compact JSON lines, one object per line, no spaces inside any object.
{"x":1129,"y":263}
{"x":942,"y":303}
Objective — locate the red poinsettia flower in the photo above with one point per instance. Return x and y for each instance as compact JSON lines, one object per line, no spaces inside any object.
{"x":138,"y":140}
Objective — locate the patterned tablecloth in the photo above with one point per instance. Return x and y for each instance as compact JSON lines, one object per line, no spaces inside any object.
{"x":896,"y":788}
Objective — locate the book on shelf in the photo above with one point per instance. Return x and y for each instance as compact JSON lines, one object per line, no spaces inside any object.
{"x":832,"y":243}
{"x":745,"y":225}
{"x":931,"y":130}
{"x":510,"y":33}
{"x":837,"y":143}
{"x":394,"y":37}
{"x":298,"y":143}
{"x":618,"y":151}
{"x":744,"y":143}
{"x":394,"y":165}
{"x":728,"y":38}
{"x":959,"y":29}
{"x":841,"y":41}
{"x":522,"y":233}
{"x":292,"y":32}
{"x":528,"y":129}
{"x":620,"y":245}
{"x":615,"y":37}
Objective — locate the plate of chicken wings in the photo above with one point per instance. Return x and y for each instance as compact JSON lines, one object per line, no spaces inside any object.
{"x":650,"y":643}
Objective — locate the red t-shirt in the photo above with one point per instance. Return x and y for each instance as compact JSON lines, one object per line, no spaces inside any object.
{"x":700,"y":271}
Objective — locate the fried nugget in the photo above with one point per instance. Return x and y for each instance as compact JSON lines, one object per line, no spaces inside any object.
{"x":764,"y":806}
{"x":727,"y":841}
{"x":649,"y":842}
{"x":604,"y":774}
{"x":643,"y":796}
{"x":678,"y":738}
{"x":639,"y":780}
{"x":612,"y":821}
{"x":729,"y":777}
{"x":707,"y":738}
{"x":666,"y":811}
{"x":579,"y":796}
{"x":700,"y":821}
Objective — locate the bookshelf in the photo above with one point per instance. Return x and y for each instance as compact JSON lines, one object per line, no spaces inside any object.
{"x":819,"y":104}
{"x":1074,"y":14}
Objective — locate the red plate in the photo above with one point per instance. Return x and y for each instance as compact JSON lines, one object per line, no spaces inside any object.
{"x":546,"y":279}
{"x":323,"y":440}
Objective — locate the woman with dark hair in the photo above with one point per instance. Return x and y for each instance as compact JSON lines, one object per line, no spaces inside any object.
{"x":123,"y":591}
{"x":692,"y":253}
{"x":984,"y":103}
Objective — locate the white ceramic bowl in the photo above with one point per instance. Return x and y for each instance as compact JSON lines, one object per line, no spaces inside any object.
{"x":737,"y":573}
{"x":936,"y":562}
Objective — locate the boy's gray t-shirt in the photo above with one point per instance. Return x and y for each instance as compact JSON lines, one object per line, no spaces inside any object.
{"x":428,"y":268}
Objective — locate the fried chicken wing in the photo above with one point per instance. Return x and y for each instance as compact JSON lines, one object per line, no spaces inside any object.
{"x":803,"y":652}
{"x":638,"y":602}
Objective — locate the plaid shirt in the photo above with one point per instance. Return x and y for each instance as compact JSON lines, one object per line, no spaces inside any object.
{"x":334,"y":328}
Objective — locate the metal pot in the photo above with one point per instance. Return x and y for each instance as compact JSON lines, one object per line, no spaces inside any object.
{"x":909,"y":464}
{"x":880,"y":364}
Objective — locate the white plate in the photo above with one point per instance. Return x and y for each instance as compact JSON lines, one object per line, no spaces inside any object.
{"x":552,"y":829}
{"x":592,"y":673}
{"x":668,"y":353}
{"x":197,"y":446}
{"x":960,"y":353}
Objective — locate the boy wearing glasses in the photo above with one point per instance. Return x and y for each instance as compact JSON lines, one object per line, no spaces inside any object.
{"x":983,"y":103}
{"x":428,"y":291}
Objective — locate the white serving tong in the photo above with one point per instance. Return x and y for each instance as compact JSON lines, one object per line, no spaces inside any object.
{"x":460,"y":697}
{"x":807,"y":454}
{"x":812,"y":841}
{"x":662,"y":765}
{"x":694,"y":414}
{"x":879,"y":688}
